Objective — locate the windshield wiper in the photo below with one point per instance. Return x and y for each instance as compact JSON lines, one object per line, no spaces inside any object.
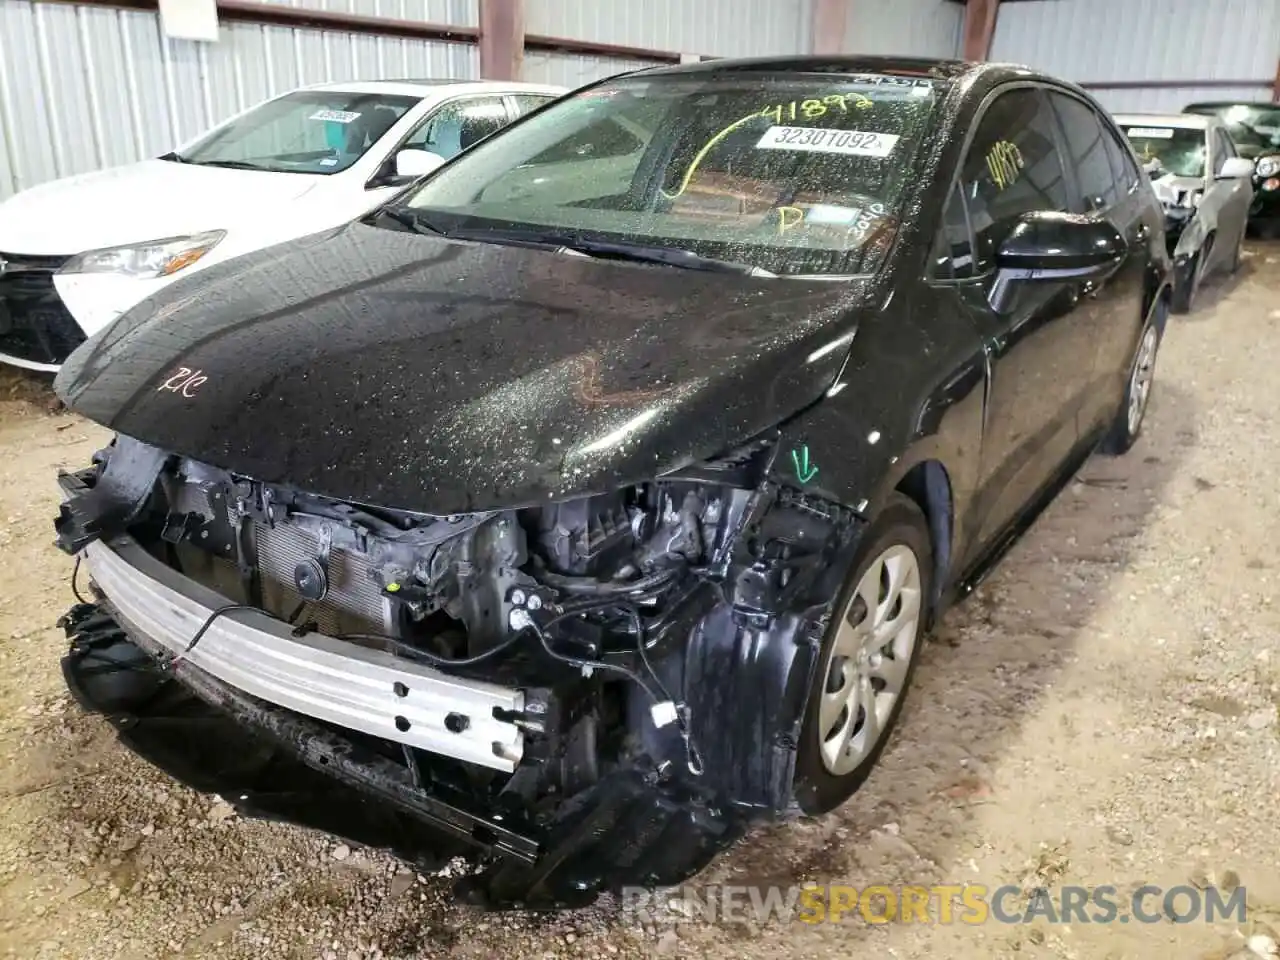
{"x":671,"y":256}
{"x":407,"y":218}
{"x":229,"y":164}
{"x":611,"y":249}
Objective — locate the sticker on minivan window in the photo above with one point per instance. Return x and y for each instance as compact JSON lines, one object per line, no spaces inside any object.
{"x":855,"y":143}
{"x":1152,"y":133}
{"x":335,"y":116}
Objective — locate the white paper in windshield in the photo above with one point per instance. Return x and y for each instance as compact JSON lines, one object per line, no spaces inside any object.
{"x":854,"y":143}
{"x":1151,"y":133}
{"x":335,"y":116}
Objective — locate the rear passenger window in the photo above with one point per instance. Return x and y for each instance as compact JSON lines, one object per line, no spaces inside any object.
{"x":1086,"y":151}
{"x":1012,"y":168}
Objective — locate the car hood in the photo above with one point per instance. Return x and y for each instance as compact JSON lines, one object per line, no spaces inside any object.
{"x":1175,"y":191}
{"x":424,"y":374}
{"x":143,"y":201}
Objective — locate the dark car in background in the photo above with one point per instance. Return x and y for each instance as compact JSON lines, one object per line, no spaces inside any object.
{"x":1255,"y":128}
{"x":590,"y":501}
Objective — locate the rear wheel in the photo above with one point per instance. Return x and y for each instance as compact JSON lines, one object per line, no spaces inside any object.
{"x":867,"y":659}
{"x":1127,"y":426}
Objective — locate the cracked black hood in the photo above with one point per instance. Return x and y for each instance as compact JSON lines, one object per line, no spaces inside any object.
{"x":426,"y":374}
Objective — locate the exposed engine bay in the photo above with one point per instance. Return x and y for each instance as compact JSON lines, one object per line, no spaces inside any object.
{"x":598,"y":668}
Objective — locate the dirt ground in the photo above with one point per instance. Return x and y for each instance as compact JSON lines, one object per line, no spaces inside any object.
{"x":1102,"y":711}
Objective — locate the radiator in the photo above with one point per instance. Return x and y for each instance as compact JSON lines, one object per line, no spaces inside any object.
{"x":354,"y":603}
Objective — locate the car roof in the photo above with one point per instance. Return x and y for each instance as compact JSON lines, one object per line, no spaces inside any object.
{"x":1235,"y":103}
{"x":1185,"y":121}
{"x":434,"y":87}
{"x":976,"y":78}
{"x":927,"y":67}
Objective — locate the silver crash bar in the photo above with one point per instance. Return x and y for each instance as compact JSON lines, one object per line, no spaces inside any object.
{"x":315,"y":675}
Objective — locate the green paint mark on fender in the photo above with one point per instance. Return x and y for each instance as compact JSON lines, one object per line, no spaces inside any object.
{"x":805,"y":471}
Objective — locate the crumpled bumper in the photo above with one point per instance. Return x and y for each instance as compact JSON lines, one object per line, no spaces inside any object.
{"x":321,"y":677}
{"x":273,"y":763}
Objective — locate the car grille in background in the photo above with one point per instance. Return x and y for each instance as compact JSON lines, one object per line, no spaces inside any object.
{"x":354,"y":603}
{"x":34,"y":324}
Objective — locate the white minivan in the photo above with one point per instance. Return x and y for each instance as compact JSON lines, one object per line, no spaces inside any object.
{"x":76,"y":253}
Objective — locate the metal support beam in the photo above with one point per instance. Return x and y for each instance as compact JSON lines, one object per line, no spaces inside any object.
{"x":828,"y":24}
{"x":501,"y":39}
{"x":979,"y":28}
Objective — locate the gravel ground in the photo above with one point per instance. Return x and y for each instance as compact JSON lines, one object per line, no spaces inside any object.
{"x":1103,"y":711}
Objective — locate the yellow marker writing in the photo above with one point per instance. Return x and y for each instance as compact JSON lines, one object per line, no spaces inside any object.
{"x":789,"y":217}
{"x":1004,"y":162}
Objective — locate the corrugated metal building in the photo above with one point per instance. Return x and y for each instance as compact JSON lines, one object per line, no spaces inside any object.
{"x":83,"y":88}
{"x":923,"y":28}
{"x":1145,"y":41}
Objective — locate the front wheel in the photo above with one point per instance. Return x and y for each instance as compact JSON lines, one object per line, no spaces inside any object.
{"x":1127,"y":425}
{"x":867,"y":659}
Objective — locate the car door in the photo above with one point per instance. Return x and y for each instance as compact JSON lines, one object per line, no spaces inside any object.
{"x":1236,"y":197}
{"x":1110,"y":309}
{"x":1039,"y":353}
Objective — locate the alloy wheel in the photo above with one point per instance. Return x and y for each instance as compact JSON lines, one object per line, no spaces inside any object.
{"x":1140,"y":380}
{"x":867,"y":668}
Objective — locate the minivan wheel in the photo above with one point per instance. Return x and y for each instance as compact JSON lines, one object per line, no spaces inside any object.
{"x":867,"y":659}
{"x":1127,"y":426}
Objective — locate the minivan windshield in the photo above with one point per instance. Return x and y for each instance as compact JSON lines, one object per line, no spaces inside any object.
{"x":791,"y":174}
{"x":313,"y":131}
{"x":1179,"y":150}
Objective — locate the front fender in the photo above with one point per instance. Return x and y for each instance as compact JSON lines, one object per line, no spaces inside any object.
{"x":855,"y":451}
{"x":1192,"y":238}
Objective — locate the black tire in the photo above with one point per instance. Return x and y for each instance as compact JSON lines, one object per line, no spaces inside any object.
{"x":1237,"y":257}
{"x":1184,"y":292}
{"x":1184,"y":296}
{"x":900,"y":523}
{"x":1122,"y":435}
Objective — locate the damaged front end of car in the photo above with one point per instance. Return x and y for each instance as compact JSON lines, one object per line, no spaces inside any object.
{"x":587,"y":694}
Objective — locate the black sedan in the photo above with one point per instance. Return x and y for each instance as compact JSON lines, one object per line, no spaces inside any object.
{"x":591,"y":500}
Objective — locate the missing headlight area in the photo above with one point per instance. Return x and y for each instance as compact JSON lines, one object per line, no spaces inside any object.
{"x":583,"y":694}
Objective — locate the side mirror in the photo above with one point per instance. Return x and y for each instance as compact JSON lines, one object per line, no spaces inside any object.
{"x":1235,"y":168}
{"x":411,"y":164}
{"x":1048,"y":245}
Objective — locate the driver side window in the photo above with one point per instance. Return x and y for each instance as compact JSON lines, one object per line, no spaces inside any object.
{"x":1013,"y":167}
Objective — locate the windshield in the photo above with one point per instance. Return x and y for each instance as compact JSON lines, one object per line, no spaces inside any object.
{"x":795,"y":175}
{"x":1179,"y":151}
{"x":316,"y":131}
{"x":1258,"y":116}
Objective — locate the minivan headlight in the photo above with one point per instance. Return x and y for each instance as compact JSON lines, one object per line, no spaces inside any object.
{"x":155,"y":258}
{"x":1268,"y":166}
